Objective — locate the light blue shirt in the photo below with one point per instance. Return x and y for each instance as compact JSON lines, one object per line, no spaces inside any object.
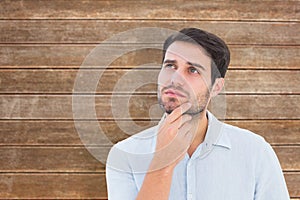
{"x":231,"y":164}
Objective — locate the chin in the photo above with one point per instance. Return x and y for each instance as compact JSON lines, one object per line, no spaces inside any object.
{"x":195,"y":112}
{"x":168,"y":104}
{"x":169,"y":109}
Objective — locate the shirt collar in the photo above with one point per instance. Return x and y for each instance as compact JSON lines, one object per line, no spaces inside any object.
{"x":215,"y":136}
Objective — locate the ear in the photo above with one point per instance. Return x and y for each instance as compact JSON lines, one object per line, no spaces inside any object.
{"x":217,"y":87}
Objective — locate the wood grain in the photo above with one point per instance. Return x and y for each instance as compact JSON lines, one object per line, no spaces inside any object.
{"x":52,"y":186}
{"x":277,"y":132}
{"x":179,"y":10}
{"x":43,"y":44}
{"x":124,"y":81}
{"x":50,"y":159}
{"x":293,"y":182}
{"x":37,"y":56}
{"x":78,"y":186}
{"x":139,"y":106}
{"x":64,"y":133}
{"x":95,"y":31}
{"x":288,"y":157}
{"x":78,"y":159}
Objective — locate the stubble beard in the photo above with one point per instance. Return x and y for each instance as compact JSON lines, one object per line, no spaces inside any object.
{"x":199,"y":103}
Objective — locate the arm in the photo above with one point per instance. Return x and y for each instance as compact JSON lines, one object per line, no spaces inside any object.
{"x":156,"y":184}
{"x":120,"y":182}
{"x":172,"y":143}
{"x":270,"y":184}
{"x":120,"y":185}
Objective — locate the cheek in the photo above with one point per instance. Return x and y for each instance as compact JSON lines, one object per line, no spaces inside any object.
{"x":198,"y":87}
{"x":163,"y":77}
{"x":207,"y":79}
{"x":204,"y":82}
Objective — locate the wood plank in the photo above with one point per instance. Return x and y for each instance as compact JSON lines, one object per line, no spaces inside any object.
{"x":95,"y":31}
{"x":79,"y":160}
{"x":64,"y":132}
{"x":293,"y":183}
{"x":78,"y":186}
{"x":60,"y":107}
{"x":141,"y":106}
{"x":72,"y":56}
{"x":262,"y":81}
{"x":192,"y":10}
{"x":276,"y":132}
{"x":288,"y":157}
{"x":262,"y":107}
{"x":52,"y":186}
{"x":62,"y":81}
{"x":24,"y":132}
{"x":50,"y":159}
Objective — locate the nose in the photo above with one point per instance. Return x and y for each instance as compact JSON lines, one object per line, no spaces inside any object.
{"x":177,"y":78}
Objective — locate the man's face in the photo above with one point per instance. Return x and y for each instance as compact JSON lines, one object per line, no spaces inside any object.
{"x":185,"y":76}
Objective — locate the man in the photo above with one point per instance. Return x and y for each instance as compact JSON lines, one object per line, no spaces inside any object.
{"x":190,"y":154}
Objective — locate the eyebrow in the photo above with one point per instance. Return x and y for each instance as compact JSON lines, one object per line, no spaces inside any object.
{"x":189,"y":63}
{"x":196,"y":65}
{"x":170,"y":61}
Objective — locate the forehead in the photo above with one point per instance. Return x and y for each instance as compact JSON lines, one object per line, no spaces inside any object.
{"x":188,"y":52}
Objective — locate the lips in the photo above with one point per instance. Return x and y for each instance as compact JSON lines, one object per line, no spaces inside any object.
{"x":174,"y":93}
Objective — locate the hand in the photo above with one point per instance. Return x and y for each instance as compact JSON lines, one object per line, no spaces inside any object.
{"x":173,"y":139}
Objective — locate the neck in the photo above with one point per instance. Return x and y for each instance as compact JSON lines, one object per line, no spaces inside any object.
{"x":200,"y":122}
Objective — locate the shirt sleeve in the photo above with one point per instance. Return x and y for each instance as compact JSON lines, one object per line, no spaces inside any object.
{"x":270,"y":183}
{"x":120,"y":182}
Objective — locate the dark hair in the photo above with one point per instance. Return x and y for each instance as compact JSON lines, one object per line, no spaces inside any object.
{"x":214,"y":46}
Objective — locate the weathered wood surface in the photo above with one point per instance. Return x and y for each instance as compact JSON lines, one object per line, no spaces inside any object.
{"x":62,"y":81}
{"x":30,"y":56}
{"x":60,"y":106}
{"x":44,"y":43}
{"x":64,"y":133}
{"x":95,"y":31}
{"x":78,"y":186}
{"x":78,"y":159}
{"x":293,"y":182}
{"x":179,"y":10}
{"x":52,"y":186}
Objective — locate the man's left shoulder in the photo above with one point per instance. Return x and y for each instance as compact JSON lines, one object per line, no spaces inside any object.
{"x":139,"y":143}
{"x":240,"y":136}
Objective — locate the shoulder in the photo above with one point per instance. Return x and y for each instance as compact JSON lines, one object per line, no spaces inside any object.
{"x":133,"y":153}
{"x":142,"y":141}
{"x":250,"y":147}
{"x":244,"y":138}
{"x":256,"y":154}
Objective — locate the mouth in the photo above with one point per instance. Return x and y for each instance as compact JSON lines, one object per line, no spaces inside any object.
{"x":174,"y":93}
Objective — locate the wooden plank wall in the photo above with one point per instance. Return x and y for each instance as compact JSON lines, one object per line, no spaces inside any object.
{"x":43,"y":44}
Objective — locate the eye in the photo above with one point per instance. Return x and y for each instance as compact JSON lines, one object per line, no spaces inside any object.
{"x":171,"y":66}
{"x":193,"y":70}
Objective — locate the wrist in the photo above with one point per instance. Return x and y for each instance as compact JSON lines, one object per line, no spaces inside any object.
{"x":161,"y":168}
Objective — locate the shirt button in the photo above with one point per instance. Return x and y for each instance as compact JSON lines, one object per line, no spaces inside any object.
{"x":190,"y":196}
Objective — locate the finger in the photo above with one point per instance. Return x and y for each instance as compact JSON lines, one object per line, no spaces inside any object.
{"x":187,"y":134}
{"x":178,"y":112}
{"x":184,"y":129}
{"x":162,"y":120}
{"x":183,"y":120}
{"x":175,"y":126}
